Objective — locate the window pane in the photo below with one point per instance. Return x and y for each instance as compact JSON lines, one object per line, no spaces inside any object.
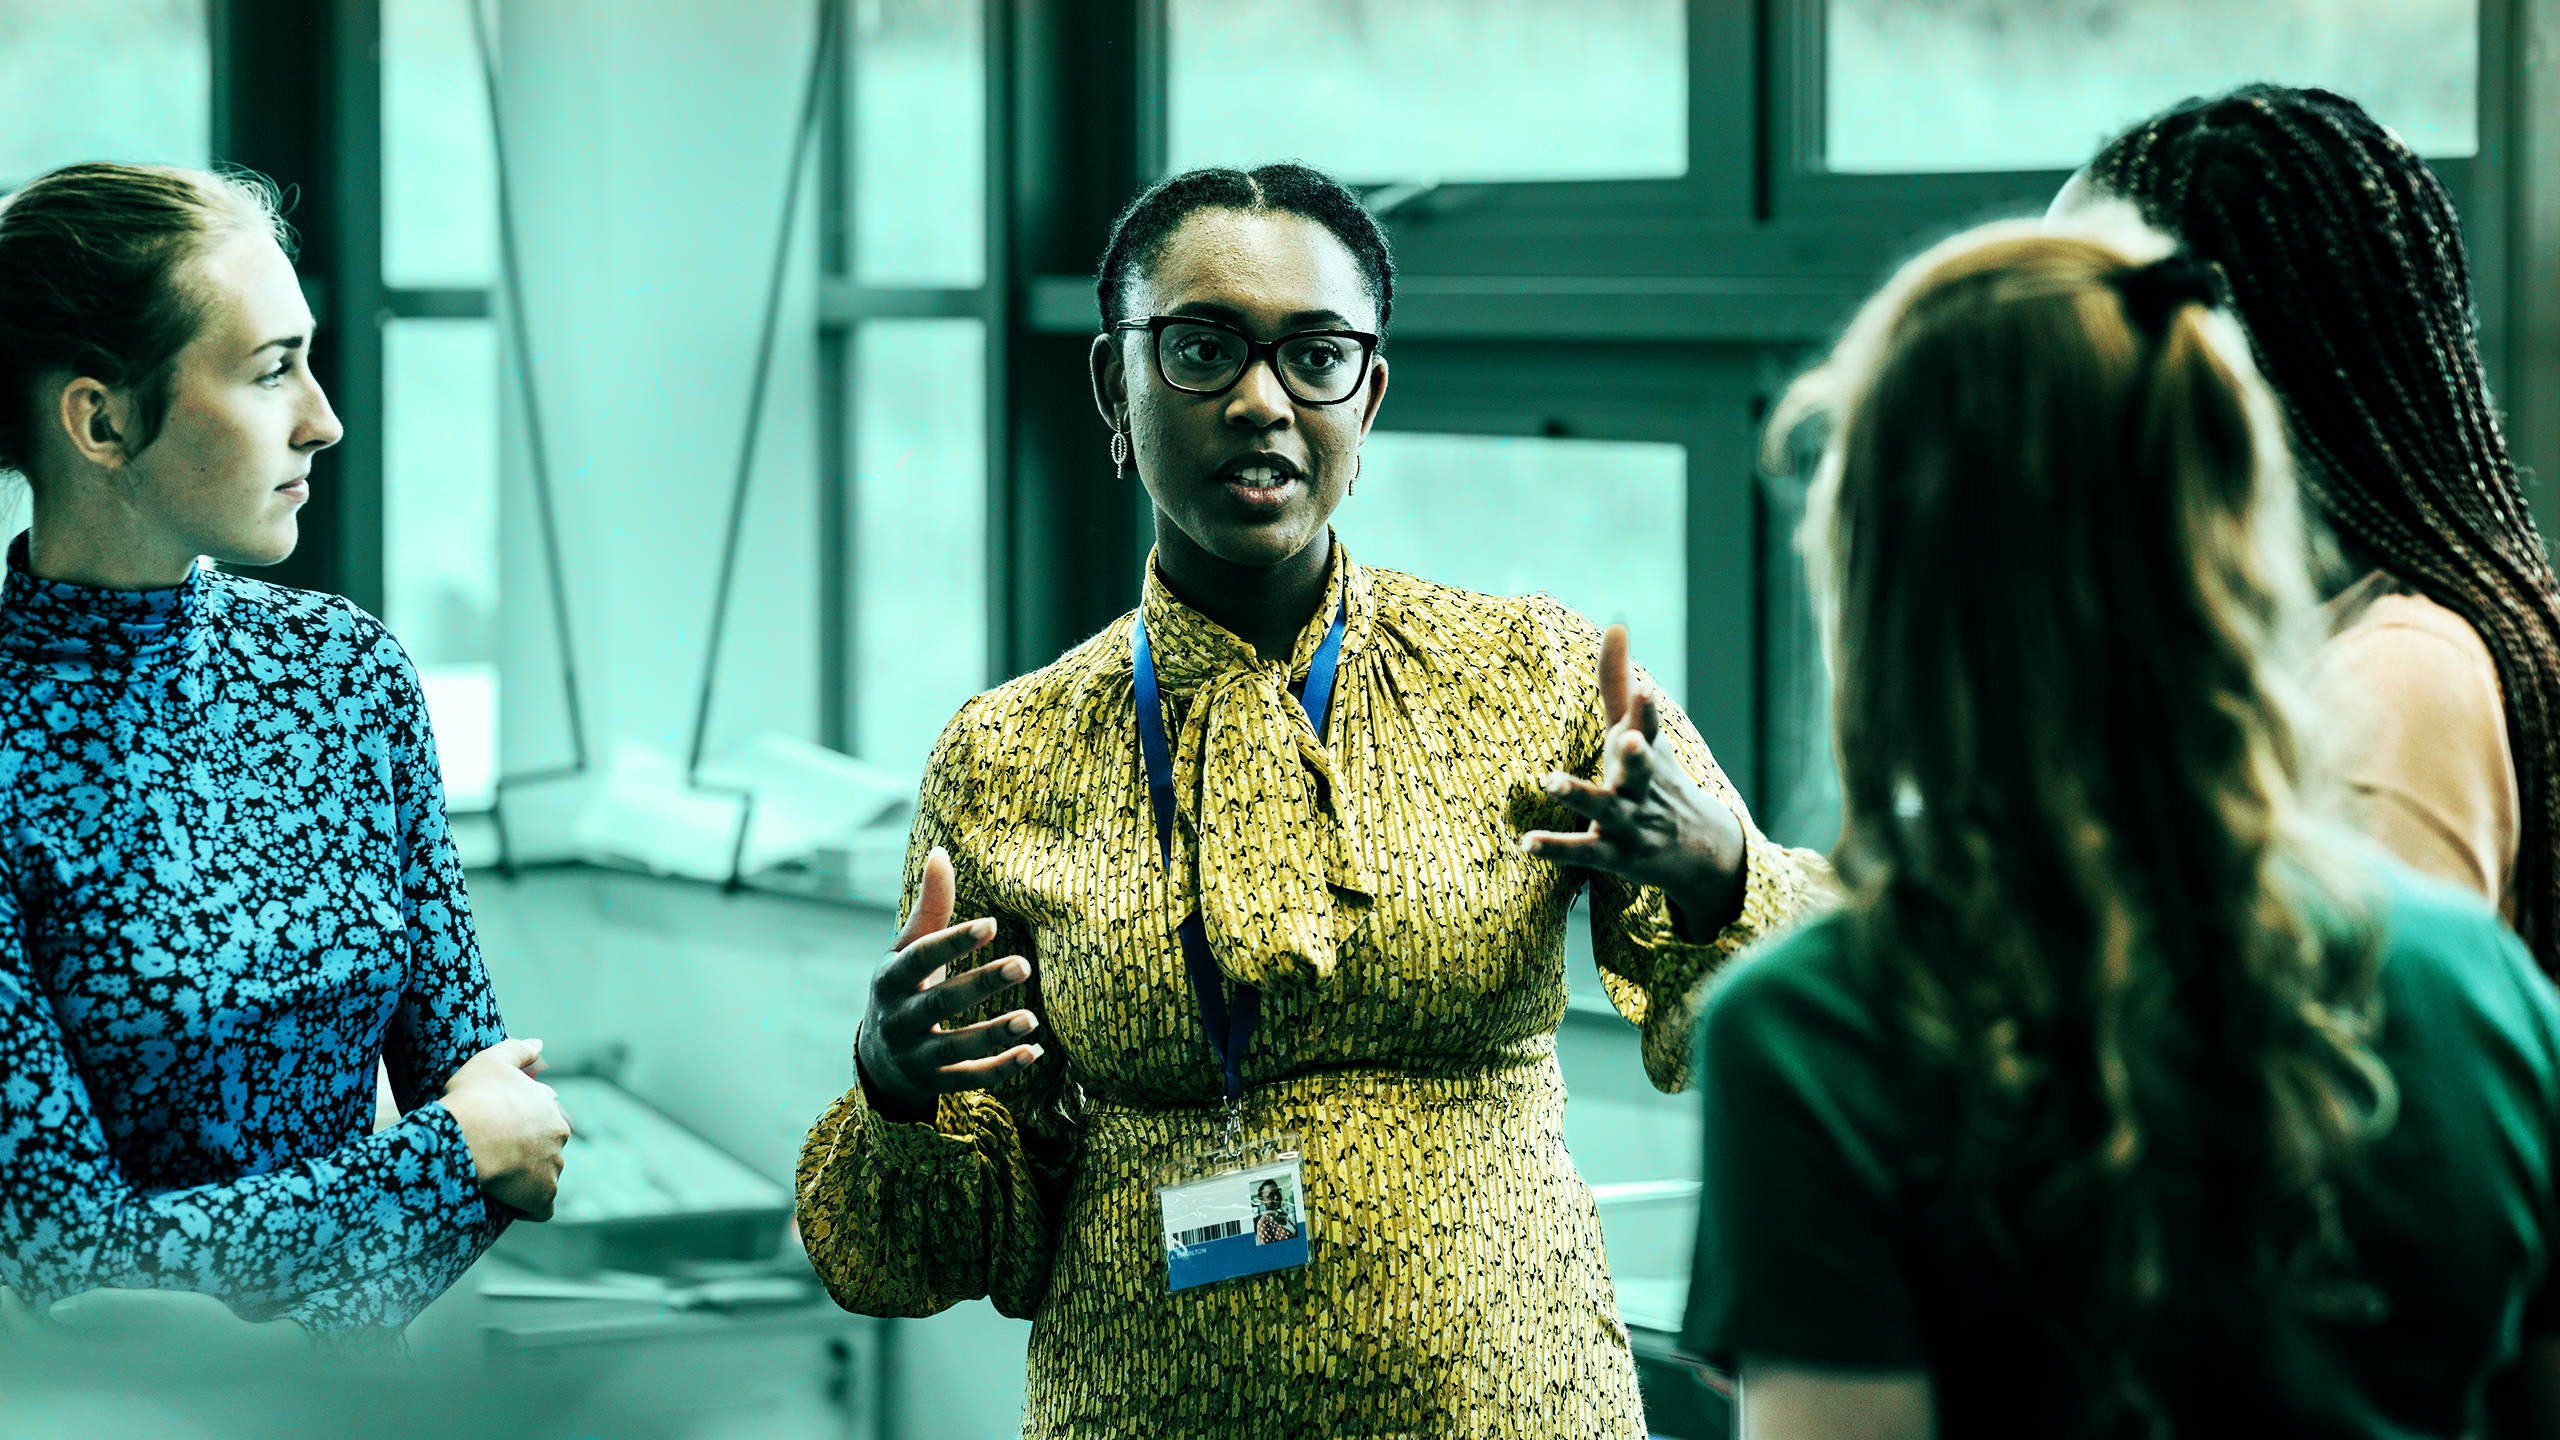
{"x":1599,"y":524}
{"x":1802,"y":806}
{"x":2040,"y":84}
{"x":126,"y":80}
{"x":439,"y":167}
{"x":1423,"y":90}
{"x":920,"y":143}
{"x":920,"y":533}
{"x":440,"y":533}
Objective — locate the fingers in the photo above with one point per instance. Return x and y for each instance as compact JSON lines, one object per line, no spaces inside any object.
{"x":978,"y":1074}
{"x":966,"y":992}
{"x":514,"y":1054}
{"x":1591,"y":802}
{"x":1573,"y":847}
{"x":1634,"y":754}
{"x":1617,"y":677}
{"x":1644,"y":714}
{"x":1627,"y":772}
{"x":933,"y":901}
{"x":943,"y":1050}
{"x":910,"y":968}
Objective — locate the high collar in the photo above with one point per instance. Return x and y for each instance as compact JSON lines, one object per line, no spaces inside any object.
{"x":1189,"y":647}
{"x":48,"y":622}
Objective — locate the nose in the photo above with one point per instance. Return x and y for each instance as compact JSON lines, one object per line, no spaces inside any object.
{"x":318,"y":427}
{"x":1258,"y":402}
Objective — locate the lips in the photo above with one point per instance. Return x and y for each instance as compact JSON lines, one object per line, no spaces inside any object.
{"x":1261,"y":481}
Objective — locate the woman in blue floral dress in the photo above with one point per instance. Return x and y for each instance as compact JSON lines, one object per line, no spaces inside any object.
{"x":228,"y":898}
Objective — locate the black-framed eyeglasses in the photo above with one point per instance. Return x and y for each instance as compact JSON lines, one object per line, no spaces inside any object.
{"x":1204,"y":357}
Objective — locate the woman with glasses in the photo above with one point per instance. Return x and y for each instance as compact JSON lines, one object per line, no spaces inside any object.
{"x":1277,"y":871}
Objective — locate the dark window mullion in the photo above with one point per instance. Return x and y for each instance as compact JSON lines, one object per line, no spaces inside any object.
{"x":439,"y":304}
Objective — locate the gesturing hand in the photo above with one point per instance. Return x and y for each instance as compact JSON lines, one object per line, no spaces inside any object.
{"x":1650,"y":822}
{"x":906,"y":1057}
{"x":512,"y":1123}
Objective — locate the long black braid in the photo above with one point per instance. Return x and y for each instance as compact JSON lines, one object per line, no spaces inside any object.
{"x":2346,"y":266}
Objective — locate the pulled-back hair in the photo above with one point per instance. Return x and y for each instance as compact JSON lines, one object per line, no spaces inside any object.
{"x":1138,"y":237}
{"x":2061,"y":572}
{"x":2345,"y":264}
{"x":95,"y":283}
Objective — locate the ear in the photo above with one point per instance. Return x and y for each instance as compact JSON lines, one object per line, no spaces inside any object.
{"x":1377,"y":395}
{"x":94,"y":419}
{"x":1110,"y":381}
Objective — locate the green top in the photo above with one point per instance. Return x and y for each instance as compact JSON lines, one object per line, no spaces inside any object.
{"x":1825,"y":1239}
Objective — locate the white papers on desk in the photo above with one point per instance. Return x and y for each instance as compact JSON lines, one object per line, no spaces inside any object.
{"x":807,"y":801}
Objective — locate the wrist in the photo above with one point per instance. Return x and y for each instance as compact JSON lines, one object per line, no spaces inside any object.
{"x":885,"y":1103}
{"x":467,"y":1118}
{"x":1703,"y":910}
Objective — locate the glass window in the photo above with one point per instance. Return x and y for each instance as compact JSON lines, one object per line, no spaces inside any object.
{"x":128,"y":80}
{"x":920,"y":143}
{"x":1801,"y":773}
{"x":1432,"y":90}
{"x":439,"y":166}
{"x":2040,"y":84}
{"x":440,"y":534}
{"x":920,"y":533}
{"x":1601,"y":525}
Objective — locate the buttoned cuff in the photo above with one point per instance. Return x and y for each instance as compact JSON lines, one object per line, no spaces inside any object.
{"x":1779,"y":886}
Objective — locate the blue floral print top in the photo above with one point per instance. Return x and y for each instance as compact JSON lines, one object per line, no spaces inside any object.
{"x":226,"y":887}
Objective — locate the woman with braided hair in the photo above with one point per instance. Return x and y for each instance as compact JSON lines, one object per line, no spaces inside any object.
{"x":2345,"y":266}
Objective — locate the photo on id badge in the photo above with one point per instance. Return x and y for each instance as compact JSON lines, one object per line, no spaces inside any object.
{"x":1242,"y":1222}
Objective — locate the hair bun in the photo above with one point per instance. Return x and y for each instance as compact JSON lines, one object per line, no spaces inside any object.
{"x":2151,"y":292}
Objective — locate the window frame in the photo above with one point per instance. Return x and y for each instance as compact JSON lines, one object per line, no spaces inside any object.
{"x":844,"y":304}
{"x":1719,"y":182}
{"x":1801,"y":189}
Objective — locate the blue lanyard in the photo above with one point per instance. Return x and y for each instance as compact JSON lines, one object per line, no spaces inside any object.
{"x":1230,"y":1025}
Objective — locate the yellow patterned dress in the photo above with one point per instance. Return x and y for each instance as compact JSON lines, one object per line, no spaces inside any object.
{"x":1411,"y":962}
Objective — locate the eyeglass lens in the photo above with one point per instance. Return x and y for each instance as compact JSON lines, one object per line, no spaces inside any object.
{"x":1315,"y":368}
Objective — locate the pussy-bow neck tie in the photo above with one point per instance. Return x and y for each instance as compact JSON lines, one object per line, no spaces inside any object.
{"x":1275,"y":867}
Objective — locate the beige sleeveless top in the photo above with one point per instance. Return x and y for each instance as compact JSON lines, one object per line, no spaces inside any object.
{"x":2410,"y":700}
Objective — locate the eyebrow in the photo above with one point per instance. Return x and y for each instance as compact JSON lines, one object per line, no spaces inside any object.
{"x":1300,"y":320}
{"x":290,"y":342}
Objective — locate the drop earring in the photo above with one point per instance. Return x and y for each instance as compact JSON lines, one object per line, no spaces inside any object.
{"x":1120,"y":453}
{"x":1354,"y":487}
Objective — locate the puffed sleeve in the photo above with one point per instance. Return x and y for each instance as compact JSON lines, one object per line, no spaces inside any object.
{"x":1654,"y":977}
{"x":355,"y":1222}
{"x":910,"y":1219}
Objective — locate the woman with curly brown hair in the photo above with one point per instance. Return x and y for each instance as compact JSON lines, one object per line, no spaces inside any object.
{"x":2125,"y":1097}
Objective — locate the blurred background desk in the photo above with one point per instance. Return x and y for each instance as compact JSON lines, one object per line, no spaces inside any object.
{"x":801,"y":1370}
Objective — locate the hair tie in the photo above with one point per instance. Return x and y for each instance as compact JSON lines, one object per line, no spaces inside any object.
{"x":2151,"y":292}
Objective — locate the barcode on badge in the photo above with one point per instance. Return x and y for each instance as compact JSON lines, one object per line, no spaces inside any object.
{"x":1207,"y":1233}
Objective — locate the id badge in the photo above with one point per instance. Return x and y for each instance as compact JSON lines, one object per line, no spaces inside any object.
{"x":1242,"y":1220}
